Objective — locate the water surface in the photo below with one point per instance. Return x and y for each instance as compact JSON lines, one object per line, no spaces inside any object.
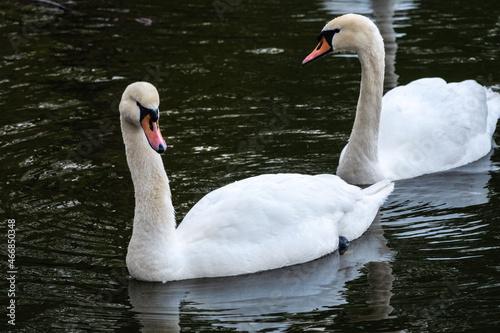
{"x":235,"y":102}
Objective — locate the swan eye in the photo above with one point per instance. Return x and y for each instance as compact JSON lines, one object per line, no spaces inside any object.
{"x":328,"y":34}
{"x":145,"y":111}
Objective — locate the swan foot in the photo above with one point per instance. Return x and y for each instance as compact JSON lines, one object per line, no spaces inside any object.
{"x":343,"y":245}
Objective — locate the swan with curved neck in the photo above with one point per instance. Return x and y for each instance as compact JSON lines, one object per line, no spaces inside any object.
{"x":259,"y":223}
{"x":427,"y":126}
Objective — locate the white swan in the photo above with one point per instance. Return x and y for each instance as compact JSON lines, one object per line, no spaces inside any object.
{"x":426,"y":126}
{"x":256,"y":224}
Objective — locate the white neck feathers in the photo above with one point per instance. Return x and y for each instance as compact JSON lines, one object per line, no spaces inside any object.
{"x":360,"y":164}
{"x":154,"y":217}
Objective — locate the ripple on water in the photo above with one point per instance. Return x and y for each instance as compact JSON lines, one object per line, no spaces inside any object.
{"x":266,"y":50}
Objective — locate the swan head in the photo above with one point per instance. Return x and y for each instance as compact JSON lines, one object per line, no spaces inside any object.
{"x":347,"y":33}
{"x":140,"y":108}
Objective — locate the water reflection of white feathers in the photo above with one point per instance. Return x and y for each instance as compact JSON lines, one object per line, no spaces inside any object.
{"x":250,"y":302}
{"x":421,"y":208}
{"x":461,"y":187}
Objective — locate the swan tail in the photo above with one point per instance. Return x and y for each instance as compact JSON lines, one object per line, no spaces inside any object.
{"x":381,"y":190}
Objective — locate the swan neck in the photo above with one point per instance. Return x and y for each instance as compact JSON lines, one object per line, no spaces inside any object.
{"x":154,"y":212}
{"x":360,"y":163}
{"x":367,"y":121}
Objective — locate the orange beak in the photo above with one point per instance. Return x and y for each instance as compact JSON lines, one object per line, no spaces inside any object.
{"x":322,"y":49}
{"x":153,"y":134}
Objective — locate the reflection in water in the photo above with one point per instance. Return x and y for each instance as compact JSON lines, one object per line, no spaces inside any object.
{"x":437,"y":211}
{"x":380,"y":279}
{"x":461,"y":187}
{"x":251,"y":302}
{"x":384,"y":18}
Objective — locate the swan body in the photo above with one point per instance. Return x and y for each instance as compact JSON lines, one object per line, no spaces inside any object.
{"x":424,"y":127}
{"x":259,"y":223}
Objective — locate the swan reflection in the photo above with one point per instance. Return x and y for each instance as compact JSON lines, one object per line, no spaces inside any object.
{"x":461,"y":187}
{"x":250,"y":302}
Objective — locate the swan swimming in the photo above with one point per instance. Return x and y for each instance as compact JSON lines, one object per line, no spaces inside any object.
{"x":256,"y":224}
{"x":424,"y":127}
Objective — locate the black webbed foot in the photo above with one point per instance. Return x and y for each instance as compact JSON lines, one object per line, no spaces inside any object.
{"x":343,"y":245}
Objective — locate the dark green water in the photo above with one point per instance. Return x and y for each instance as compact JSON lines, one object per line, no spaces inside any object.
{"x":235,"y":103}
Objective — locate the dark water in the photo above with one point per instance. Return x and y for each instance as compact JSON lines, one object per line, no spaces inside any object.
{"x":235,"y":103}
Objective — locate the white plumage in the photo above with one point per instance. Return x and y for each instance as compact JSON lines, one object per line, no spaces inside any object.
{"x":429,"y":126}
{"x":424,"y":127}
{"x":276,"y":220}
{"x":259,"y":223}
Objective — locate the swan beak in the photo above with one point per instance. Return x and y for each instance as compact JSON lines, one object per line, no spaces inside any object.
{"x":322,"y":49}
{"x":153,"y":134}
